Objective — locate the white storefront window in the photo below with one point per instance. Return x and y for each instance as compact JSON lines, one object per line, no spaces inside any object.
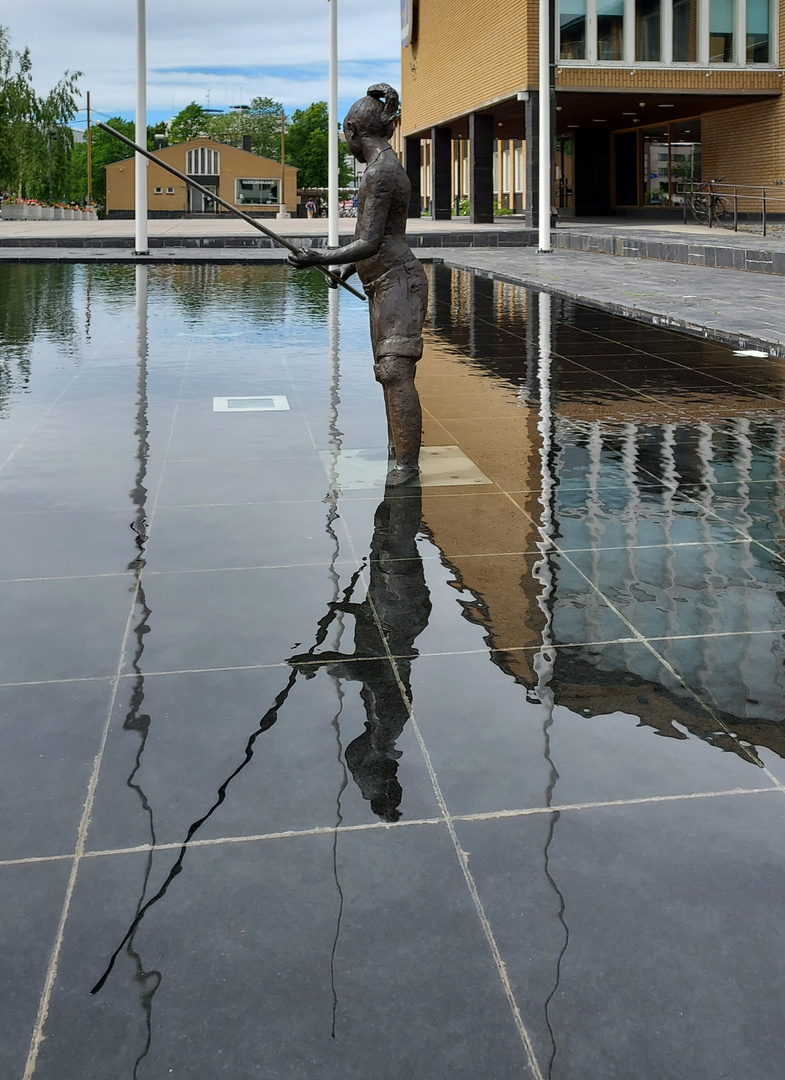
{"x":258,"y":192}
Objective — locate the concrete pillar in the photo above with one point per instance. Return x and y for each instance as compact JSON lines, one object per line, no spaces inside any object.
{"x":412,"y":155}
{"x":481,"y":168}
{"x":532,"y":166}
{"x":441,"y":180}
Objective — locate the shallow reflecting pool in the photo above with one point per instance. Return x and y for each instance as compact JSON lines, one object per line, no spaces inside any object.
{"x":305,"y":777}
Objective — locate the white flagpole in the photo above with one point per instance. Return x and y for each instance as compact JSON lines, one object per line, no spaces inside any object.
{"x":545,"y":128}
{"x":332,"y":112}
{"x":140,"y":164}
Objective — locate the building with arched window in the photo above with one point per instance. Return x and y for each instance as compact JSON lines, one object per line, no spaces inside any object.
{"x":249,"y":182}
{"x":647,"y":93}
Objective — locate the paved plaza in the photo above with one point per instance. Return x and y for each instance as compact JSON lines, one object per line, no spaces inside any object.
{"x":306,"y":777}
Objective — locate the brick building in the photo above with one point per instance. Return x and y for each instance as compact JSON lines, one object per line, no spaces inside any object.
{"x":248,"y":181}
{"x":646,"y":93}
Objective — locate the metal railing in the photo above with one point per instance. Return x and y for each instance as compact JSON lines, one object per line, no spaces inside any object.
{"x":714,"y":203}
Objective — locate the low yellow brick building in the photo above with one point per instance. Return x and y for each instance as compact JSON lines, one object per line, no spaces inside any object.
{"x":646,"y":95}
{"x":249,"y":182}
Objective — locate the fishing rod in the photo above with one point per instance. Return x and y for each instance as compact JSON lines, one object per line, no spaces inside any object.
{"x":282,"y":241}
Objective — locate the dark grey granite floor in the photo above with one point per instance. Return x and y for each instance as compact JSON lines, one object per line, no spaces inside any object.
{"x":305,"y":777}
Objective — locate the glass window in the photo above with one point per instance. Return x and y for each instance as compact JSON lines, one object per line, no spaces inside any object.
{"x":610,"y":29}
{"x":757,"y":31}
{"x":648,"y":21}
{"x":722,"y":16}
{"x":258,"y":192}
{"x":685,"y":31}
{"x":202,"y":161}
{"x":656,"y":189}
{"x":572,"y":29}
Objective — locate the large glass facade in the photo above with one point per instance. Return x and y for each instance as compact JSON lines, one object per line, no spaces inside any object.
{"x":722,"y":21}
{"x":667,"y":31}
{"x":572,"y":28}
{"x":757,"y":31}
{"x":653,"y":164}
{"x":648,"y":30}
{"x":685,"y":31}
{"x":610,"y":29}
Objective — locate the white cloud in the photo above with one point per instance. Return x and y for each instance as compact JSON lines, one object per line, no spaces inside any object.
{"x":277,"y":50}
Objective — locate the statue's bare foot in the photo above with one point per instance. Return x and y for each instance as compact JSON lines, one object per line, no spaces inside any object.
{"x":403,"y":474}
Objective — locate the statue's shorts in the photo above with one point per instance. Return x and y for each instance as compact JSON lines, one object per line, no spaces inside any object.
{"x":397,"y":301}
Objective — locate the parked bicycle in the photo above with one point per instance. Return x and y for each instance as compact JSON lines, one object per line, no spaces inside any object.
{"x":708,"y":207}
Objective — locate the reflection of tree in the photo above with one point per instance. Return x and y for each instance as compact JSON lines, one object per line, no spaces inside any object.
{"x":35,"y":301}
{"x":261,"y":294}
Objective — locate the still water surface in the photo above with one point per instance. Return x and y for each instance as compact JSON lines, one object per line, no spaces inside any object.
{"x":231,"y":661}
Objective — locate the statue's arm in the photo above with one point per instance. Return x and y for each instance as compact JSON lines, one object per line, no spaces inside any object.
{"x":370,"y":225}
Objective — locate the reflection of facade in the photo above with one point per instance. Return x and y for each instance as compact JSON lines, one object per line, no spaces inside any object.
{"x":676,"y":79}
{"x":617,"y":480}
{"x":250,"y":182}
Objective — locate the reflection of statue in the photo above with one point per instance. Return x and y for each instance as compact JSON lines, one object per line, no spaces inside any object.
{"x":398,"y":597}
{"x":393,"y":278}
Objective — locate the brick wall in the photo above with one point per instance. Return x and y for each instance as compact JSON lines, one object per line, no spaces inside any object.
{"x":471,"y":53}
{"x":745,"y":145}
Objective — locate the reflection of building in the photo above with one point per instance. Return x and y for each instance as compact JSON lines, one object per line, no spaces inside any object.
{"x":250,"y":182}
{"x":633,"y":78}
{"x":620,"y":481}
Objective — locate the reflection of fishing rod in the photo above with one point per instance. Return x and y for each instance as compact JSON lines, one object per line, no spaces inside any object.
{"x":267,"y":721}
{"x":333,"y":278}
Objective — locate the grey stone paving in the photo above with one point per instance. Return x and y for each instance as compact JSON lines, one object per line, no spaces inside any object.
{"x":734,"y":306}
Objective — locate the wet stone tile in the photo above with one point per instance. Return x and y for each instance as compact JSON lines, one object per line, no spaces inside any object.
{"x":606,"y":722}
{"x":354,"y":937}
{"x":606,"y":918}
{"x":52,"y":734}
{"x":695,"y":588}
{"x":258,"y":752}
{"x":62,"y":629}
{"x":215,"y":537}
{"x":229,"y":618}
{"x":28,"y":930}
{"x":65,"y":543}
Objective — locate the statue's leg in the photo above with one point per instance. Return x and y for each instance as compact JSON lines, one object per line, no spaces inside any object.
{"x":404,"y":413}
{"x":390,"y":440}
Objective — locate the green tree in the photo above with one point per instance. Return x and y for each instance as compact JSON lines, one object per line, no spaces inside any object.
{"x":106,"y":149}
{"x":190,"y":123}
{"x":307,"y":147}
{"x":34,"y":131}
{"x":261,"y":120}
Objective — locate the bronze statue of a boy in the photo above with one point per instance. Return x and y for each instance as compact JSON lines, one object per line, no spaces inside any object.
{"x":393,"y":278}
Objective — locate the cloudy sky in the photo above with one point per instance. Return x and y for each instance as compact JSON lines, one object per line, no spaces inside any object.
{"x":208,"y":52}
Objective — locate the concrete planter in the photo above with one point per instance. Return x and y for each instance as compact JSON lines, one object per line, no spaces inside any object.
{"x":68,"y":215}
{"x":47,"y":213}
{"x":58,"y":213}
{"x":14,"y":211}
{"x":33,"y":213}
